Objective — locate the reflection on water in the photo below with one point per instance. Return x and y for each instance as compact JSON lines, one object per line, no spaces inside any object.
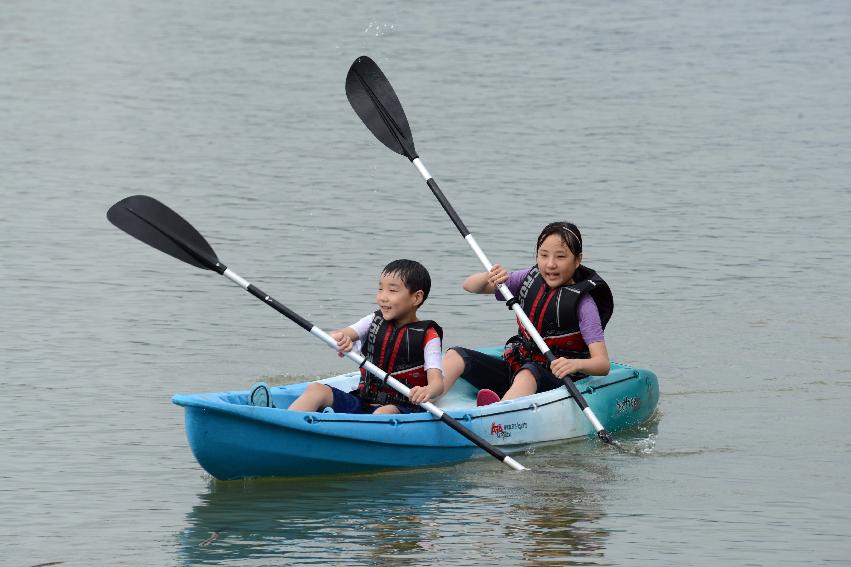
{"x":464,"y":512}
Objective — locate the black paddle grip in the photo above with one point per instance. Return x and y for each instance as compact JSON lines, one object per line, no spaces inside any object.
{"x":453,"y":423}
{"x":280,"y":307}
{"x":574,"y":391}
{"x":441,"y":198}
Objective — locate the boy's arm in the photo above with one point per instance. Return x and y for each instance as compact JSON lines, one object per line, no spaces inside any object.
{"x":434,"y":375}
{"x":435,"y":382}
{"x":345,"y":338}
{"x":348,"y":332}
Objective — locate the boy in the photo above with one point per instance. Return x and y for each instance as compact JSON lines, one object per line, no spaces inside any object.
{"x":396,"y":341}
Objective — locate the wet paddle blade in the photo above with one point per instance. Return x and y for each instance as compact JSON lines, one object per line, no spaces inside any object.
{"x":156,"y":225}
{"x":373,"y":99}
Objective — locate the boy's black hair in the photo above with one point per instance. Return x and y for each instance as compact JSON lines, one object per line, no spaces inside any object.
{"x":568,"y":232}
{"x":413,"y":275}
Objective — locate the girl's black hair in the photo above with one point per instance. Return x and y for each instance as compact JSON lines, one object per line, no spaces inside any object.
{"x":568,"y":232}
{"x":413,"y":275}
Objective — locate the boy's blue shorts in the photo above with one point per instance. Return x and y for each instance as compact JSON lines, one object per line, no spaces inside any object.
{"x":347,"y":402}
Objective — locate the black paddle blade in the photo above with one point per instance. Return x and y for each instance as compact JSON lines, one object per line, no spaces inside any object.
{"x":370,"y":94}
{"x":158,"y":226}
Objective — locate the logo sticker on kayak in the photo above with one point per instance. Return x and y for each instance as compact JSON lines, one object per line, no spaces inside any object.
{"x":629,"y":403}
{"x":504,"y":430}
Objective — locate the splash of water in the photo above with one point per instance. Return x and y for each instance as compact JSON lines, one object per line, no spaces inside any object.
{"x":380,"y":30}
{"x":646,"y":445}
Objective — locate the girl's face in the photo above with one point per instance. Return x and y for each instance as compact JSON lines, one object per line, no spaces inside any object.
{"x":556,"y":262}
{"x":396,"y":301}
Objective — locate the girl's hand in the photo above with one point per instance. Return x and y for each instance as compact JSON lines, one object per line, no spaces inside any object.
{"x":420,"y":394}
{"x":497,"y":275}
{"x":561,"y":367}
{"x":344,"y":343}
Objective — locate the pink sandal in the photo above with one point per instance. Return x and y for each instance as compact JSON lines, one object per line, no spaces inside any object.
{"x":486,"y":397}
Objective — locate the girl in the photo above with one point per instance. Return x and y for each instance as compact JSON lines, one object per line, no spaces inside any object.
{"x":568,"y":303}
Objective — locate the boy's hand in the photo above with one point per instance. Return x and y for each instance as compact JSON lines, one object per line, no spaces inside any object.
{"x":497,"y":275}
{"x":420,"y":394}
{"x":344,"y":343}
{"x":561,"y":367}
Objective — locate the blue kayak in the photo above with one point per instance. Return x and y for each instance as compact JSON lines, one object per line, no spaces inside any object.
{"x":232,"y":439}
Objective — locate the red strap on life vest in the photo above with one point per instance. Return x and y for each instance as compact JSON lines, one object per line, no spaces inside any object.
{"x":400,"y":334}
{"x":531,"y":313}
{"x":383,"y":355}
{"x":540,"y":322}
{"x":537,"y":300}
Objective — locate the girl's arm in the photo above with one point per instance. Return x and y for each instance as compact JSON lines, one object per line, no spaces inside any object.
{"x":486,"y":282}
{"x":592,"y":333}
{"x":597,"y":365}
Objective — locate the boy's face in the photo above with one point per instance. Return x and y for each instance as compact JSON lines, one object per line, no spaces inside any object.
{"x":397,"y":302}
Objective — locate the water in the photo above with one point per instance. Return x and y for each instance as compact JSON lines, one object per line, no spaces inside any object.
{"x":701,"y":147}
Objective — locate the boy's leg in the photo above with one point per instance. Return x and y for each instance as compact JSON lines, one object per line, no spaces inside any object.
{"x":315,"y":397}
{"x":388,"y":409}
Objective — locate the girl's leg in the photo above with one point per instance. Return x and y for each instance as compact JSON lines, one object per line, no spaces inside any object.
{"x":390,"y":408}
{"x":524,"y":385}
{"x":479,"y":369}
{"x":315,"y":397}
{"x":453,"y":367}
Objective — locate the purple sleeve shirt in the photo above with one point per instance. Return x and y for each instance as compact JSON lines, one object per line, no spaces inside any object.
{"x":587,"y":312}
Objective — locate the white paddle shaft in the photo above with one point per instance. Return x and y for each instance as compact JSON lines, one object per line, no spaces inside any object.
{"x":505,"y":292}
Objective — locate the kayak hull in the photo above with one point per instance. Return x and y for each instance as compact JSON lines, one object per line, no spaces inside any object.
{"x":231,"y":439}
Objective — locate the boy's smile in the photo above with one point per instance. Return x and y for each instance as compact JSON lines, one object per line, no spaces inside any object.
{"x":556,"y":262}
{"x":396,"y":301}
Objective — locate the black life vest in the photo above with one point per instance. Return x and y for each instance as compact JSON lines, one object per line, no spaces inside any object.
{"x":553,"y":312}
{"x":398,"y":351}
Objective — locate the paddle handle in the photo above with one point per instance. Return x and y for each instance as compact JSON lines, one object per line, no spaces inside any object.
{"x":362,"y":362}
{"x":509,"y":300}
{"x":268,"y":299}
{"x":480,"y":254}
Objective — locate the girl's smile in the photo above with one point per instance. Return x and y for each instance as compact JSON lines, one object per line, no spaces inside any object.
{"x":556,"y":262}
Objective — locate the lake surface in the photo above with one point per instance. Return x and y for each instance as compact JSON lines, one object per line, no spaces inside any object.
{"x":702,"y":148}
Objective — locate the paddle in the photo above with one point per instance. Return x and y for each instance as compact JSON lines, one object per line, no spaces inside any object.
{"x":156,"y":225}
{"x":374,"y":100}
